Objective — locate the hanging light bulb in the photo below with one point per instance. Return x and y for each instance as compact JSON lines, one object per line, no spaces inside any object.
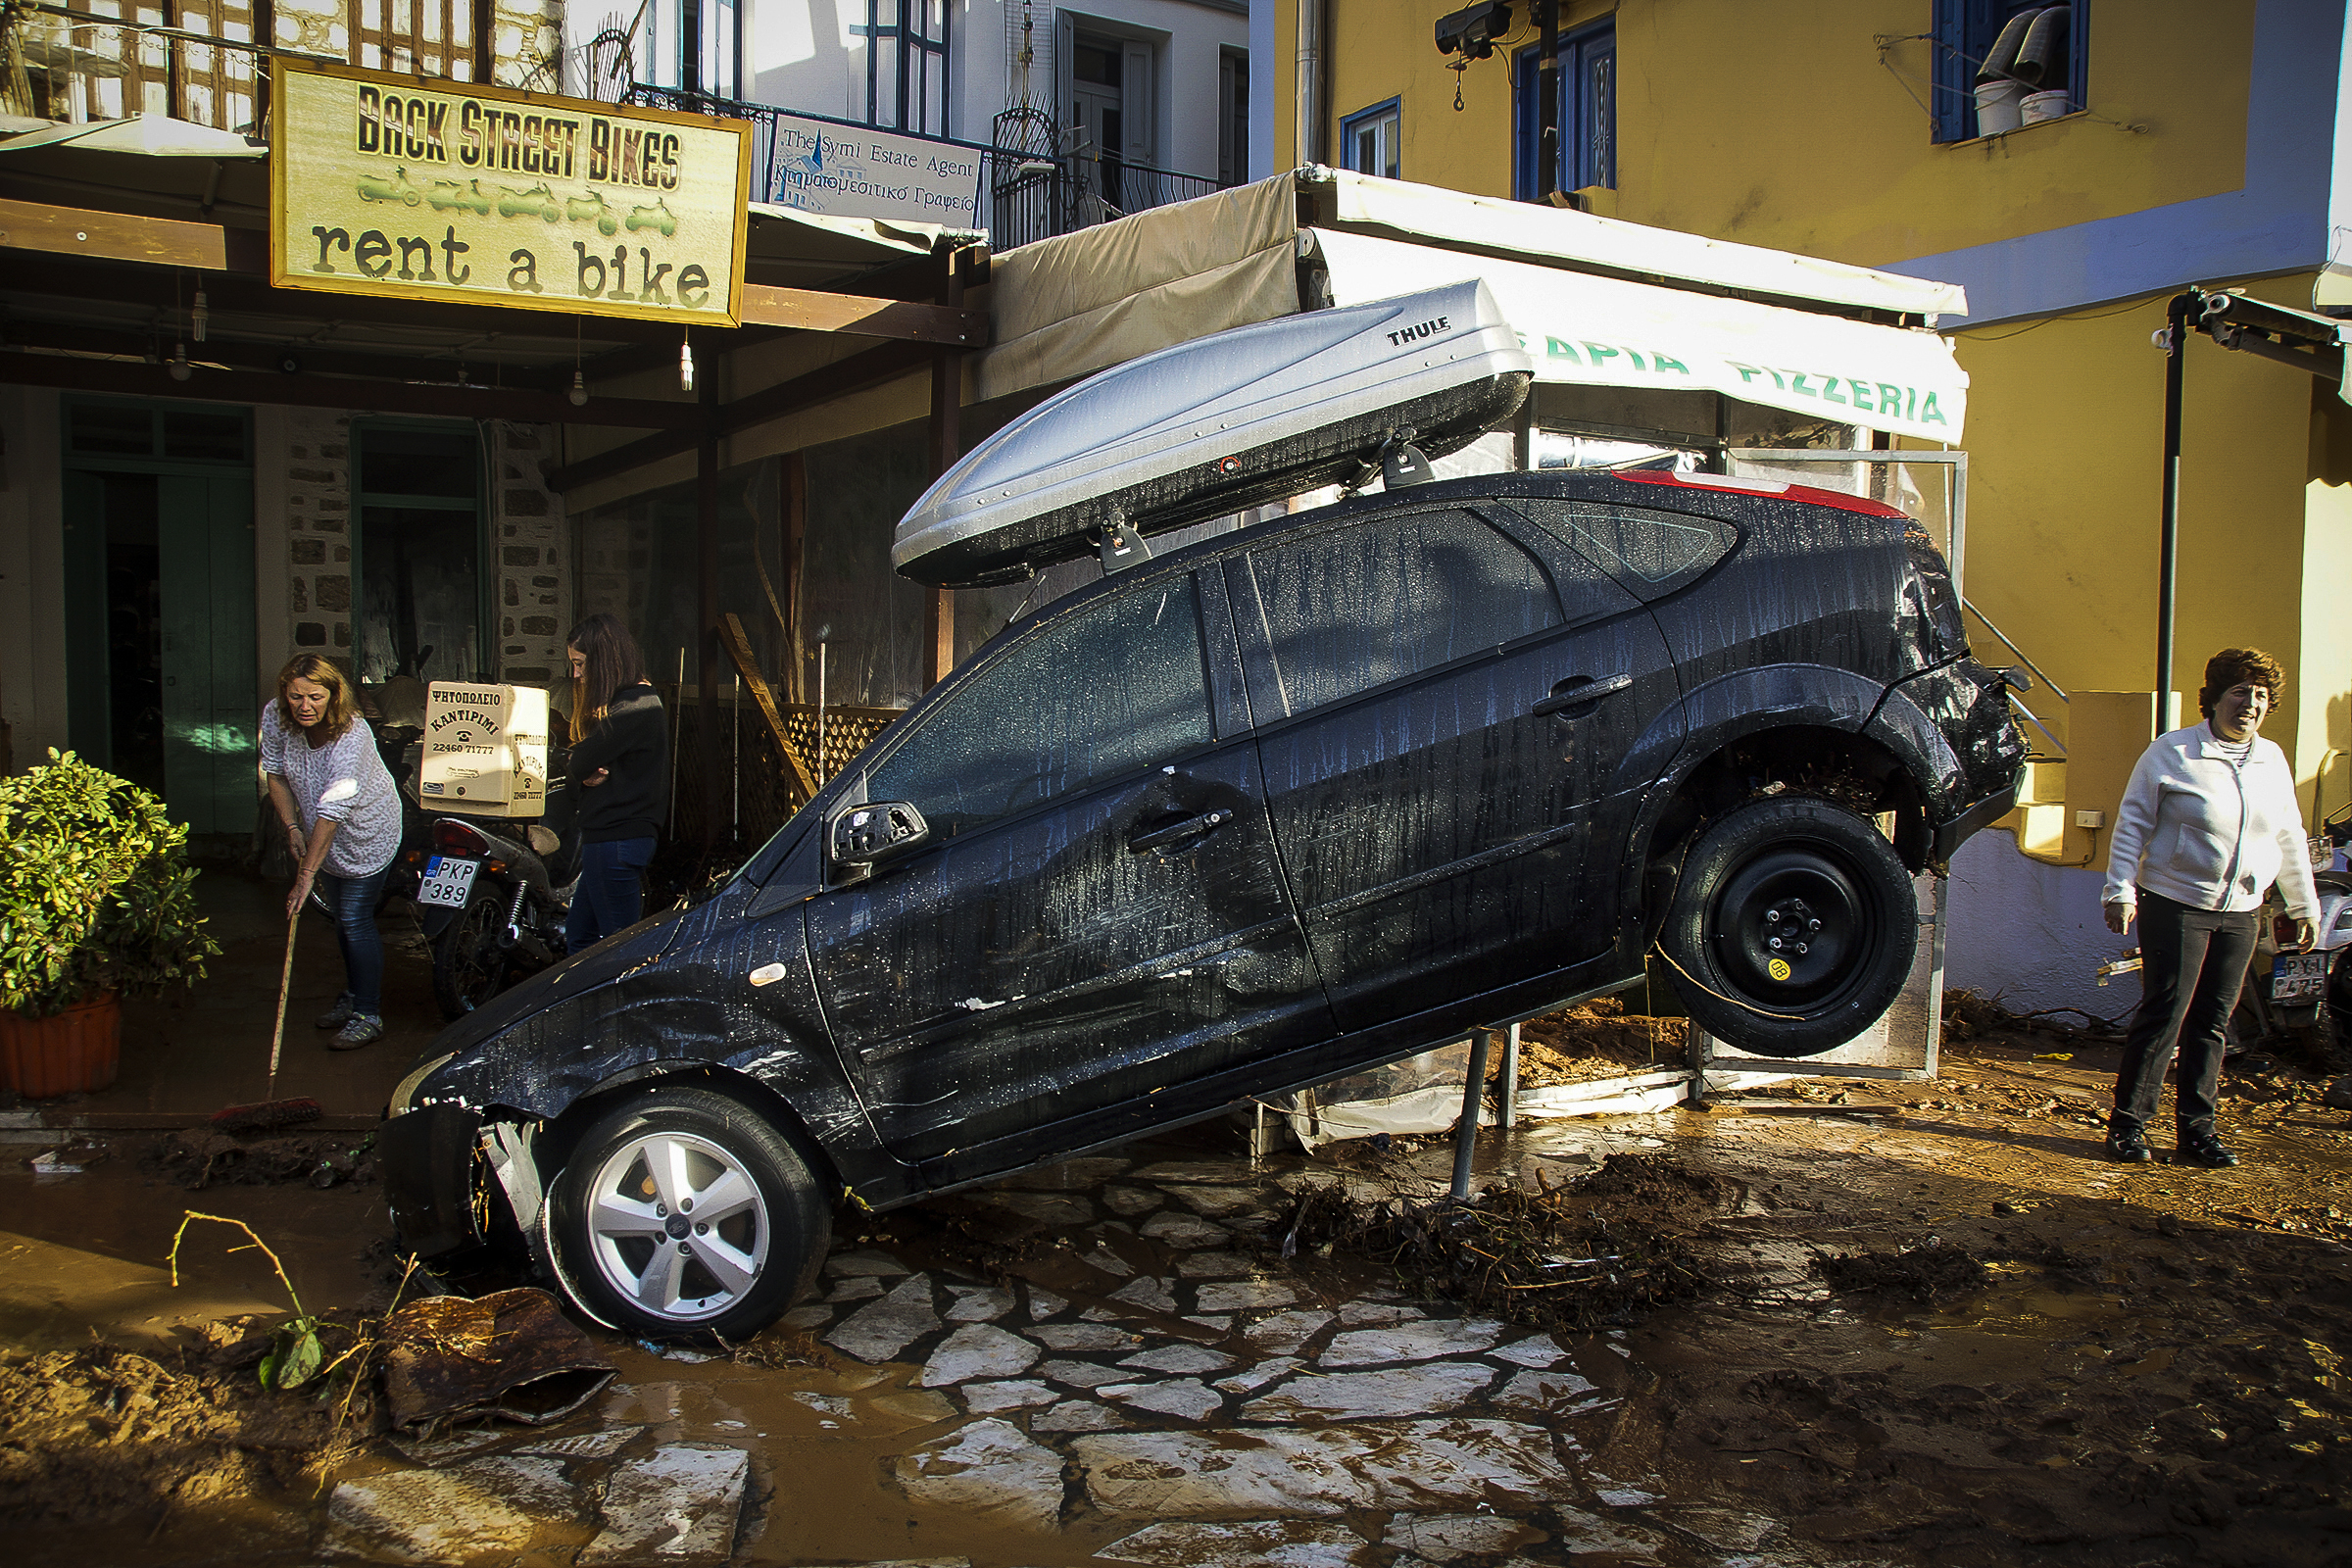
{"x":685,"y":364}
{"x":199,"y":318}
{"x":180,"y":367}
{"x":579,"y":390}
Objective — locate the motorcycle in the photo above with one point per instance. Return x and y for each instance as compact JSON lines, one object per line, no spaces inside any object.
{"x":492,"y":894}
{"x":2309,"y":995}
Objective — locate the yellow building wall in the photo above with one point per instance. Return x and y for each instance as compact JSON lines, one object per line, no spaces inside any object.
{"x":1804,"y":129}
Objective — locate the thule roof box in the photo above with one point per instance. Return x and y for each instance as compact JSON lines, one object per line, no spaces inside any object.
{"x":1212,"y":427}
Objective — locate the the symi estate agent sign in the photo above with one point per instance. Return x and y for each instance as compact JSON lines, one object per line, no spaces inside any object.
{"x":850,"y":172}
{"x":389,"y":187}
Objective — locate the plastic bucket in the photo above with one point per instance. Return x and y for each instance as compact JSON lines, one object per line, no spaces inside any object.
{"x":1998,"y":107}
{"x":2038,"y":106}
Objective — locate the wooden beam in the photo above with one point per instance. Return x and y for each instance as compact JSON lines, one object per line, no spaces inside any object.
{"x":247,"y":354}
{"x":739,"y":649}
{"x":874,"y":367}
{"x":95,"y":235}
{"x":813,"y":311}
{"x":132,"y":379}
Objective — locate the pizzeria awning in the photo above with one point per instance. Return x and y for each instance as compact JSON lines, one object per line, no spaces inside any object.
{"x":1599,"y":302}
{"x":1590,"y":331}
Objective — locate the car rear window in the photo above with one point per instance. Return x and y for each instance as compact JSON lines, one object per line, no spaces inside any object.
{"x":1651,"y":552}
{"x":1350,"y":610}
{"x":1115,"y":687}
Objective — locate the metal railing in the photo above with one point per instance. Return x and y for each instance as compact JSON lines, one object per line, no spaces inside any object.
{"x":2015,"y":700}
{"x":1023,"y":194}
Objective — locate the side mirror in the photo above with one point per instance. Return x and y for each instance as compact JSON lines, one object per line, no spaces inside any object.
{"x":882,"y":830}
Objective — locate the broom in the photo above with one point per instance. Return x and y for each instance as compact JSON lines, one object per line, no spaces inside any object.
{"x":272,"y":1114}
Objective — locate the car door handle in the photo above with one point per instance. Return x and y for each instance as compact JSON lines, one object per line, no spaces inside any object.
{"x":1569,"y":695}
{"x":1191,"y":827}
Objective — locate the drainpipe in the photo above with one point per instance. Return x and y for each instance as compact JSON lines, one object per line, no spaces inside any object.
{"x":2169,"y":543}
{"x":1310,"y":82}
{"x":1548,"y":98}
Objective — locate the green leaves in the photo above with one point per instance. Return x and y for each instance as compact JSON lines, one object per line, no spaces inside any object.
{"x":294,"y":1354}
{"x":97,"y":893}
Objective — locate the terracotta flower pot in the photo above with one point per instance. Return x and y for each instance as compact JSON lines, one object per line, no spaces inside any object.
{"x":74,"y":1053}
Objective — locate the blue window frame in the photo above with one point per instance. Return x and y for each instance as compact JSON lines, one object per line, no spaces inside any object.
{"x":1588,"y":116}
{"x":1369,"y":137}
{"x":1966,"y":32}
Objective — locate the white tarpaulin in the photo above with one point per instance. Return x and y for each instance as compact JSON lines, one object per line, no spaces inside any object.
{"x":1603,"y":331}
{"x":1397,"y":208}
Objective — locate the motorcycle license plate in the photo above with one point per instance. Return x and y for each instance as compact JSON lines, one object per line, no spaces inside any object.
{"x":2299,"y":977}
{"x":447,"y":881}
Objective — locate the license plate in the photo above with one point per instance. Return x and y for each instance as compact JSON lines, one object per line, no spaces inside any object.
{"x":447,"y":881}
{"x":2299,"y":977}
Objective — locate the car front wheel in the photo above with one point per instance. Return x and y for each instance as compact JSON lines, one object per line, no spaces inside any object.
{"x":683,"y":1213}
{"x":1794,"y":925}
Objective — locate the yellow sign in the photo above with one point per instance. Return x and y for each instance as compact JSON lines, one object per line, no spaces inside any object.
{"x":1778,"y":969}
{"x":401,"y":188}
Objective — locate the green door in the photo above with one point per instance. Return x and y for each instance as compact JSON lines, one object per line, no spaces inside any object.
{"x":204,"y":540}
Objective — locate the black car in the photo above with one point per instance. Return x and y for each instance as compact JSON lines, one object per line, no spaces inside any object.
{"x":1240,"y":819}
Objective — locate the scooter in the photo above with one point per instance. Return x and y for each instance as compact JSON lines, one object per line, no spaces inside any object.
{"x":493,"y":893}
{"x":2309,"y":997}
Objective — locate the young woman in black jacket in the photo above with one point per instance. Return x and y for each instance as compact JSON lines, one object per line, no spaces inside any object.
{"x":621,"y":762}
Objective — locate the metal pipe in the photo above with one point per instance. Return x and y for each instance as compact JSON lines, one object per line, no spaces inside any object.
{"x":1548,"y":98}
{"x":1509,"y":1097}
{"x":1474,"y":1093}
{"x":1310,"y":84}
{"x":2168,"y":547}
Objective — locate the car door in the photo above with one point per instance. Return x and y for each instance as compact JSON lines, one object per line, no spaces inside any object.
{"x":1098,"y":915}
{"x":1439,"y":702}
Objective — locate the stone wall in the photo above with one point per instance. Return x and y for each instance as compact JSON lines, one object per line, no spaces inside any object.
{"x":318,"y":499}
{"x":527,"y":562}
{"x":531,"y":555}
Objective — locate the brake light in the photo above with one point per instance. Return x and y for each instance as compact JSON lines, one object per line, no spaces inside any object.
{"x":1731,"y":484}
{"x":456,"y":838}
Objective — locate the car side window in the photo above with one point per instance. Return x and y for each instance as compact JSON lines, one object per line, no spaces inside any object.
{"x":1115,"y":687}
{"x":1651,"y":552}
{"x":1346,"y":610}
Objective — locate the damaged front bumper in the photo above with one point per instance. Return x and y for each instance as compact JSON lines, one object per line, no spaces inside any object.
{"x":435,"y":1181}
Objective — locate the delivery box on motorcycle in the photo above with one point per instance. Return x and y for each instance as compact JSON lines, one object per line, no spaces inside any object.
{"x":485,"y":749}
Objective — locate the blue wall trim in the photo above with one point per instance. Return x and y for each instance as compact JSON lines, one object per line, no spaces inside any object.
{"x":2277,"y":221}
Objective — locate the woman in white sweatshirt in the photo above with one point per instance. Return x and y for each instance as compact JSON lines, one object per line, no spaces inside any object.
{"x":2209,"y":822}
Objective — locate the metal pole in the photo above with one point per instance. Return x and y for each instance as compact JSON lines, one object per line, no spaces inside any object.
{"x":1474,"y":1093}
{"x":2169,"y":545}
{"x":1548,"y":98}
{"x":1510,"y":1077}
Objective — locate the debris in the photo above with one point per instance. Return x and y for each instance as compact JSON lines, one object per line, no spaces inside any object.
{"x":67,"y":1159}
{"x":1573,"y":1257}
{"x":1927,"y":1274}
{"x":509,"y":1355}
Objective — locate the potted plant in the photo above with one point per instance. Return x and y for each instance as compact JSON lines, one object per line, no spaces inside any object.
{"x":97,"y":901}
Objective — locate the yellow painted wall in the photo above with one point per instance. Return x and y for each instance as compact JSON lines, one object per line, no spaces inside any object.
{"x":1792,"y":126}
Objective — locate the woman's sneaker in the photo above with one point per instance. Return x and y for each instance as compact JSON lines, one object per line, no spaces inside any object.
{"x":337,"y":1016}
{"x":356,"y":1032}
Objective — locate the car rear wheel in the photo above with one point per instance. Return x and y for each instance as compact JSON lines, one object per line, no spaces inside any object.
{"x":469,"y":967}
{"x":1794,"y":925}
{"x":684,"y":1212}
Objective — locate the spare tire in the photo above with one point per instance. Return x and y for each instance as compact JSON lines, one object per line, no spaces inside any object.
{"x":1794,"y":925}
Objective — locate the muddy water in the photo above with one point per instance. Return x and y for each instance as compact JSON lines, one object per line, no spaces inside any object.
{"x":2144,"y":1379}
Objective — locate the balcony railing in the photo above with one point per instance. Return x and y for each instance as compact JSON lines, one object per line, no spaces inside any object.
{"x":1023,"y":195}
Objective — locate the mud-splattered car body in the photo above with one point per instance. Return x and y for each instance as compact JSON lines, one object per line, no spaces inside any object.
{"x":1363,"y":779}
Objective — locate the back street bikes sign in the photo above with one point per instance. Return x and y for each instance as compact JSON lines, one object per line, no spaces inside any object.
{"x":389,"y":187}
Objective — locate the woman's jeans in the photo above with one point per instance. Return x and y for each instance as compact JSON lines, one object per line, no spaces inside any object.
{"x":2192,"y":967}
{"x":354,"y":900}
{"x":608,"y":898}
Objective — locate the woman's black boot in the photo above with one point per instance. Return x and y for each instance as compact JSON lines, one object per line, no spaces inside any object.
{"x":2127,"y":1144}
